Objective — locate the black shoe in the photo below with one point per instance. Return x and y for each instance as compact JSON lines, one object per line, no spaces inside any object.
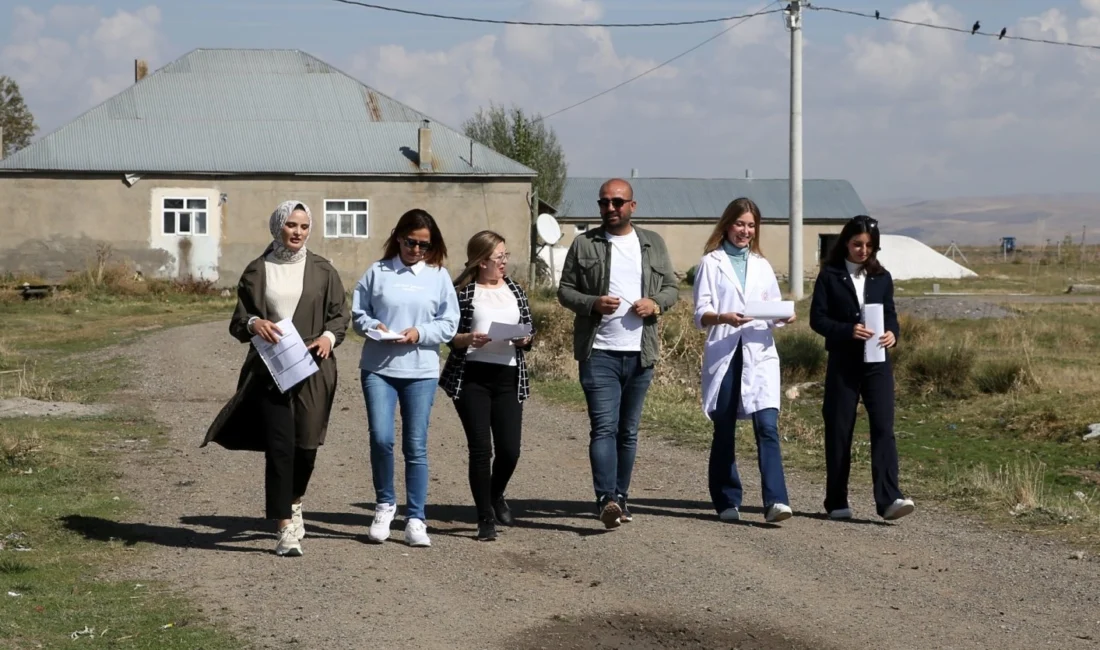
{"x":503,"y":513}
{"x":610,"y":512}
{"x":626,"y":517}
{"x":486,"y":530}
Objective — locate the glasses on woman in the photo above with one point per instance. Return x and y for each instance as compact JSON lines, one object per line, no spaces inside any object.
{"x":416,"y":243}
{"x":501,"y":259}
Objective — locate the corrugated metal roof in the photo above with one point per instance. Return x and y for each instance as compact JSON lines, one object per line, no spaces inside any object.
{"x":706,"y":198}
{"x":254,"y":111}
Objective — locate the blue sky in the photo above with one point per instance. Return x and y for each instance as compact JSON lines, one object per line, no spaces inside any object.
{"x":900,"y":112}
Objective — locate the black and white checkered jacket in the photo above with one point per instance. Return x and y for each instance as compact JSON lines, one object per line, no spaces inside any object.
{"x":451,"y":377}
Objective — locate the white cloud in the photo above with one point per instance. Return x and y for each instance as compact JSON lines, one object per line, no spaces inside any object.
{"x":74,"y":56}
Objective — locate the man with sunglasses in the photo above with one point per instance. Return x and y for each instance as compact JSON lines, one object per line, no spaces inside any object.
{"x":617,"y":279}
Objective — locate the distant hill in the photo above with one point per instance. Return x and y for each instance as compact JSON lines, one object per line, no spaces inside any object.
{"x":982,"y":221}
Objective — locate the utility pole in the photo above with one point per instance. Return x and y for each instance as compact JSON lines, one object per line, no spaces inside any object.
{"x":532,"y":272}
{"x":794,"y":24}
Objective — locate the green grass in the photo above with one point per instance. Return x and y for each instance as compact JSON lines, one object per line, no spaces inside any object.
{"x":1028,"y":271}
{"x":54,"y":475}
{"x":59,"y":487}
{"x":997,"y":433}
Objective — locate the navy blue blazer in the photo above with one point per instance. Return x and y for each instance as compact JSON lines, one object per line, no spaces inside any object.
{"x":834,"y":310}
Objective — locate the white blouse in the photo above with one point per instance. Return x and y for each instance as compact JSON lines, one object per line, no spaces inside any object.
{"x":859,"y":279}
{"x":496,"y":304}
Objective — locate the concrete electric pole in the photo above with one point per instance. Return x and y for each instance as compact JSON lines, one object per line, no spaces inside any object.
{"x":794,"y":23}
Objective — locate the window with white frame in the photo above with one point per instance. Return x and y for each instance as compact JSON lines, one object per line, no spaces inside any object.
{"x":347,"y":217}
{"x":580,"y":228}
{"x":183,"y":216}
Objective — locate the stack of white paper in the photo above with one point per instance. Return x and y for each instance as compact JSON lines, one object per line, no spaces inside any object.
{"x":874,"y":320}
{"x":769,"y":309}
{"x":506,"y":332}
{"x":289,"y":361}
{"x":379,"y":335}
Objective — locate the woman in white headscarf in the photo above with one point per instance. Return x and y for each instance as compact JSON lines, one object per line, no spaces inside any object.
{"x":286,"y":282}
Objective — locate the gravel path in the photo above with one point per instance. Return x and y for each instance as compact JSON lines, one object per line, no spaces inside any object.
{"x":675,"y":578}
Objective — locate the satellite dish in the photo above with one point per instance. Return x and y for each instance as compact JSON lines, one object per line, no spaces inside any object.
{"x":547,"y":227}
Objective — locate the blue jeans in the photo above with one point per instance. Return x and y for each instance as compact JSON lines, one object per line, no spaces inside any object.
{"x":382,"y":395}
{"x":615,"y":384}
{"x":725,"y":483}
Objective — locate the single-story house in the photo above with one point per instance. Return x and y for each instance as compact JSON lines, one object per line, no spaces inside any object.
{"x":180,"y":171}
{"x":684,"y":211}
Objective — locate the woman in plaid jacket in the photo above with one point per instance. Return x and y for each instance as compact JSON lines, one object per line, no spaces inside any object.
{"x":487,"y":379}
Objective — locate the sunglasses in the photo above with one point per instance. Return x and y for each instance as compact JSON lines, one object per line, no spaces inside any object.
{"x":871,"y":223}
{"x":618,"y":202}
{"x":416,"y":243}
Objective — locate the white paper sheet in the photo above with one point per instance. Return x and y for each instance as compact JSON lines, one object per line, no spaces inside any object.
{"x":504,"y":331}
{"x":379,"y":335}
{"x":288,"y":360}
{"x":769,"y":309}
{"x":874,"y":320}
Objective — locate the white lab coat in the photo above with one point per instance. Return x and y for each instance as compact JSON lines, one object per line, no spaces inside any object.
{"x":718,"y":290}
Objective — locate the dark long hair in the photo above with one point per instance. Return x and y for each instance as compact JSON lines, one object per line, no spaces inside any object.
{"x":858,"y":225}
{"x":416,"y":219}
{"x":732,"y":213}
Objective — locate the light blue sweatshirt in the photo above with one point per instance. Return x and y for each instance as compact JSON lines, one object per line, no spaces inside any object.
{"x":401,"y":297}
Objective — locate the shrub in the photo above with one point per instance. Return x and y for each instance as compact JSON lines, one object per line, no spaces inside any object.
{"x":940,"y":370}
{"x":802,"y":355}
{"x":689,"y":277}
{"x":1002,"y":376}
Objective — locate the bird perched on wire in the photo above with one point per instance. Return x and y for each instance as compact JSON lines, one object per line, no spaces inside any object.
{"x":1004,"y":30}
{"x":876,"y":14}
{"x":975,"y":28}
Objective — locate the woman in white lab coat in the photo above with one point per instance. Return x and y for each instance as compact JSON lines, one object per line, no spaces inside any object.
{"x":740,"y":362}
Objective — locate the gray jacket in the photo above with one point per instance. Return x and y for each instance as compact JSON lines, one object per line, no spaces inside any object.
{"x":586,"y":275}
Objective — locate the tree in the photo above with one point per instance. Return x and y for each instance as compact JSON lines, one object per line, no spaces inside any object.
{"x":15,"y":119}
{"x":525,"y":139}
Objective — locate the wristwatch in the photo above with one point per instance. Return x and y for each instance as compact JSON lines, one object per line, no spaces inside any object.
{"x":657,"y":311}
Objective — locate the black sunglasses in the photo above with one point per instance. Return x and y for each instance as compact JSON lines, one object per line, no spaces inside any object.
{"x":618,"y":202}
{"x":871,"y":223}
{"x":416,"y":243}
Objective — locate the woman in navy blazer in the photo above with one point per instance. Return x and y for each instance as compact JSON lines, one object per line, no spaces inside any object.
{"x":851,"y":278}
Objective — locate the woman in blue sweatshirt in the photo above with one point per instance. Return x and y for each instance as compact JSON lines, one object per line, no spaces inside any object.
{"x":406,"y":307}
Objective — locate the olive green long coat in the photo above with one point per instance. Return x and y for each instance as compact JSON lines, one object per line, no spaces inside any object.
{"x":322,"y":307}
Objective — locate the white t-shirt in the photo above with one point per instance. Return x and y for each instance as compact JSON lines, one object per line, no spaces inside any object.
{"x":497,"y":304}
{"x":622,"y":330}
{"x":859,"y":279}
{"x":283,"y":287}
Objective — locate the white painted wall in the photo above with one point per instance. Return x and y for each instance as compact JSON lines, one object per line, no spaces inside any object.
{"x":205,"y":250}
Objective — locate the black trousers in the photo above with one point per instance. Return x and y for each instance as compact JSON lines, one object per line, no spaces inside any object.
{"x":289,"y":467}
{"x":491,"y":415}
{"x":846,"y":380}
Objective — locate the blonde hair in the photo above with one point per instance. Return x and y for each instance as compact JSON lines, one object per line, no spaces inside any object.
{"x":478,"y":249}
{"x":733,"y":212}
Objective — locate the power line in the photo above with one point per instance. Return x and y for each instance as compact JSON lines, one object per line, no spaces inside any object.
{"x":761,"y":12}
{"x":974,"y":31}
{"x":531,"y":23}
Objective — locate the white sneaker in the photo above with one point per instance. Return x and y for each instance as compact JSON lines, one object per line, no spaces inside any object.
{"x":840,"y":514}
{"x":416,"y":533}
{"x":777,"y":513}
{"x":380,"y":527}
{"x":899,"y":509}
{"x":288,"y":545}
{"x":730,"y":514}
{"x":297,"y":522}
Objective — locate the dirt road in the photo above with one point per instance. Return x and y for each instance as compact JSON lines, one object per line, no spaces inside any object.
{"x":674,"y":578}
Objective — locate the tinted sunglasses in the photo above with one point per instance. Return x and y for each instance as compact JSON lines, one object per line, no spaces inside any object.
{"x":416,"y":243}
{"x":618,"y":202}
{"x":871,"y":223}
